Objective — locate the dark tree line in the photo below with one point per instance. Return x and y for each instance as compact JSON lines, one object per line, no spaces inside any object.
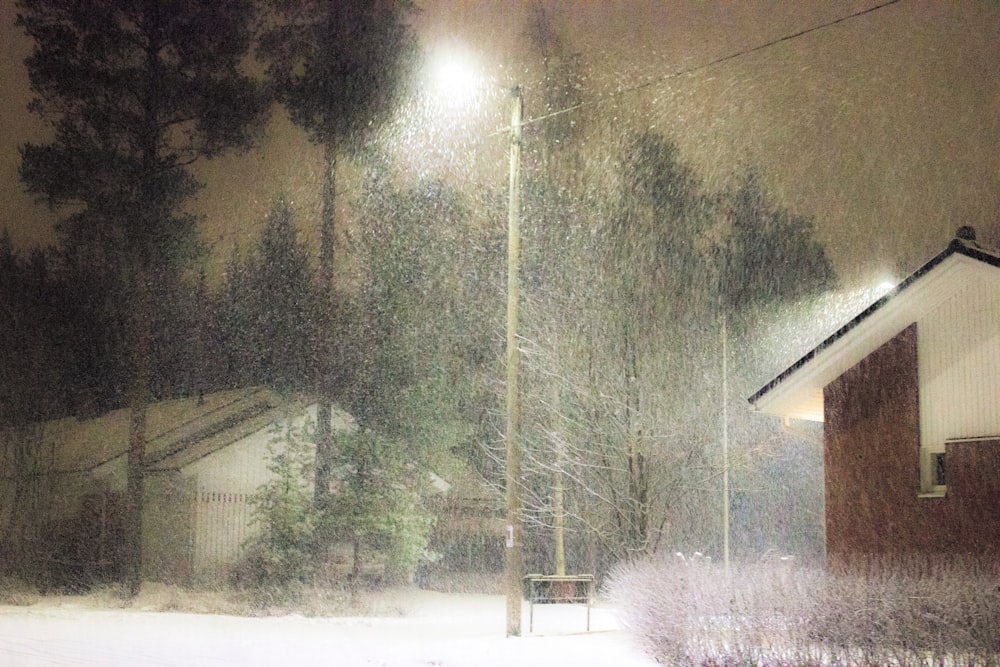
{"x":622,"y":333}
{"x":339,"y":68}
{"x":33,"y":337}
{"x":135,"y":93}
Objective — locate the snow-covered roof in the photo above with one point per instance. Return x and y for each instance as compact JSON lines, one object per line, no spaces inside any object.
{"x":178,"y":431}
{"x":797,"y":392}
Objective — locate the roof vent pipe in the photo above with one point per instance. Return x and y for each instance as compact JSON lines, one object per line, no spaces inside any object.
{"x":966,"y":233}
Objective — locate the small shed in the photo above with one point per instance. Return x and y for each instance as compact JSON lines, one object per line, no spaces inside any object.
{"x":205,"y":457}
{"x":909,"y":394}
{"x":469,"y":533}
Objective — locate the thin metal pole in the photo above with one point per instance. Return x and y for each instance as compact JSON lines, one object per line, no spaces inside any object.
{"x":725,"y":442}
{"x":515,"y":537}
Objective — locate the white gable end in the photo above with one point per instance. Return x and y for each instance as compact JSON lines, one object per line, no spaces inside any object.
{"x":955,"y":307}
{"x":958,"y":350}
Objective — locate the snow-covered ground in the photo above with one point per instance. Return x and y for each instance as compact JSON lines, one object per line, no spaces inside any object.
{"x":445,"y":630}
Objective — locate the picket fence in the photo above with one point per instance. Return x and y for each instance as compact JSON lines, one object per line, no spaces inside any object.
{"x":223,"y":522}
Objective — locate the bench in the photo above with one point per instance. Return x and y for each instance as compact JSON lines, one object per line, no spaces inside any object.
{"x":559,"y":589}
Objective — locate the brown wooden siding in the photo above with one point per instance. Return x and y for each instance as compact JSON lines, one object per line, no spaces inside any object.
{"x":872,"y":468}
{"x":973,"y":500}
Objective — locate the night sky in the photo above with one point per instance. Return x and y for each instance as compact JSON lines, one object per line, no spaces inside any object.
{"x":885,"y":127}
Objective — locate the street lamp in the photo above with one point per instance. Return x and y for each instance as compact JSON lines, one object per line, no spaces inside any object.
{"x":454,"y":81}
{"x":452,"y":76}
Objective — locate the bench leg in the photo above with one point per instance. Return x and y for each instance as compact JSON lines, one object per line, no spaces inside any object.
{"x":590,"y":598}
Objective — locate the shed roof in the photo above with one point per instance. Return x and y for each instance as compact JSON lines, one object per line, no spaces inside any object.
{"x":178,"y":431}
{"x":797,"y":392}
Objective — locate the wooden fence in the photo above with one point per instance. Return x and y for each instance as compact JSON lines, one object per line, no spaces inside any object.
{"x":222,"y":526}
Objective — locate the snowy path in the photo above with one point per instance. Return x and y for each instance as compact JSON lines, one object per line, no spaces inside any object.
{"x":440,"y":630}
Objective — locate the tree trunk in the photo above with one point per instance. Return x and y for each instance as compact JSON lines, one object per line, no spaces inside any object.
{"x":559,"y":519}
{"x":138,"y":406}
{"x":638,"y":481}
{"x":558,"y":500}
{"x":144,"y":263}
{"x":324,"y":362}
{"x":355,"y":583}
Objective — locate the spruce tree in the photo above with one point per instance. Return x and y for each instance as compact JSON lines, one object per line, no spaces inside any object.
{"x":338,"y":67}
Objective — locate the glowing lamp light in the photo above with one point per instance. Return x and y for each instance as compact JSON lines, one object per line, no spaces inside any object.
{"x":454,"y":79}
{"x":452,"y":76}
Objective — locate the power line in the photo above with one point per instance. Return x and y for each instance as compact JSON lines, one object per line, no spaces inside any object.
{"x":684,"y":72}
{"x":690,"y":70}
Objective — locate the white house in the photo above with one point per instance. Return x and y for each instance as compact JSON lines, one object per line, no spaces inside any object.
{"x":205,"y":458}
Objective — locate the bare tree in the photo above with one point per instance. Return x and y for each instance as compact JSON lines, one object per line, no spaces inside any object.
{"x":623,"y":343}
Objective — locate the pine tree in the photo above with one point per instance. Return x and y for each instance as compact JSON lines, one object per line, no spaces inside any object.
{"x":135,"y":92}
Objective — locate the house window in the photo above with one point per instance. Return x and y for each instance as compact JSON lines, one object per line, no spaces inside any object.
{"x":937,"y":469}
{"x":932,"y":472}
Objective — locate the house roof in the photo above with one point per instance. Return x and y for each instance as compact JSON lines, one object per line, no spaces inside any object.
{"x":797,"y":392}
{"x":178,"y":431}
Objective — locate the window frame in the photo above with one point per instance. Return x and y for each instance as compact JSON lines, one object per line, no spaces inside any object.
{"x":929,"y":456}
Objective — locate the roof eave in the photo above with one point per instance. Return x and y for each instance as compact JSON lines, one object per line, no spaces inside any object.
{"x":779,"y":396}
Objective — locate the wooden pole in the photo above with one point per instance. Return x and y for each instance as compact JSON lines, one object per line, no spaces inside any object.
{"x":515,"y":537}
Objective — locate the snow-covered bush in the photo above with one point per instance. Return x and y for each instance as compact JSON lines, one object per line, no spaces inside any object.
{"x":915,"y":611}
{"x":690,"y":613}
{"x":685,"y":611}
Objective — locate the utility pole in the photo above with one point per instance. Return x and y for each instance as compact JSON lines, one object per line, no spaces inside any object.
{"x":515,"y":536}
